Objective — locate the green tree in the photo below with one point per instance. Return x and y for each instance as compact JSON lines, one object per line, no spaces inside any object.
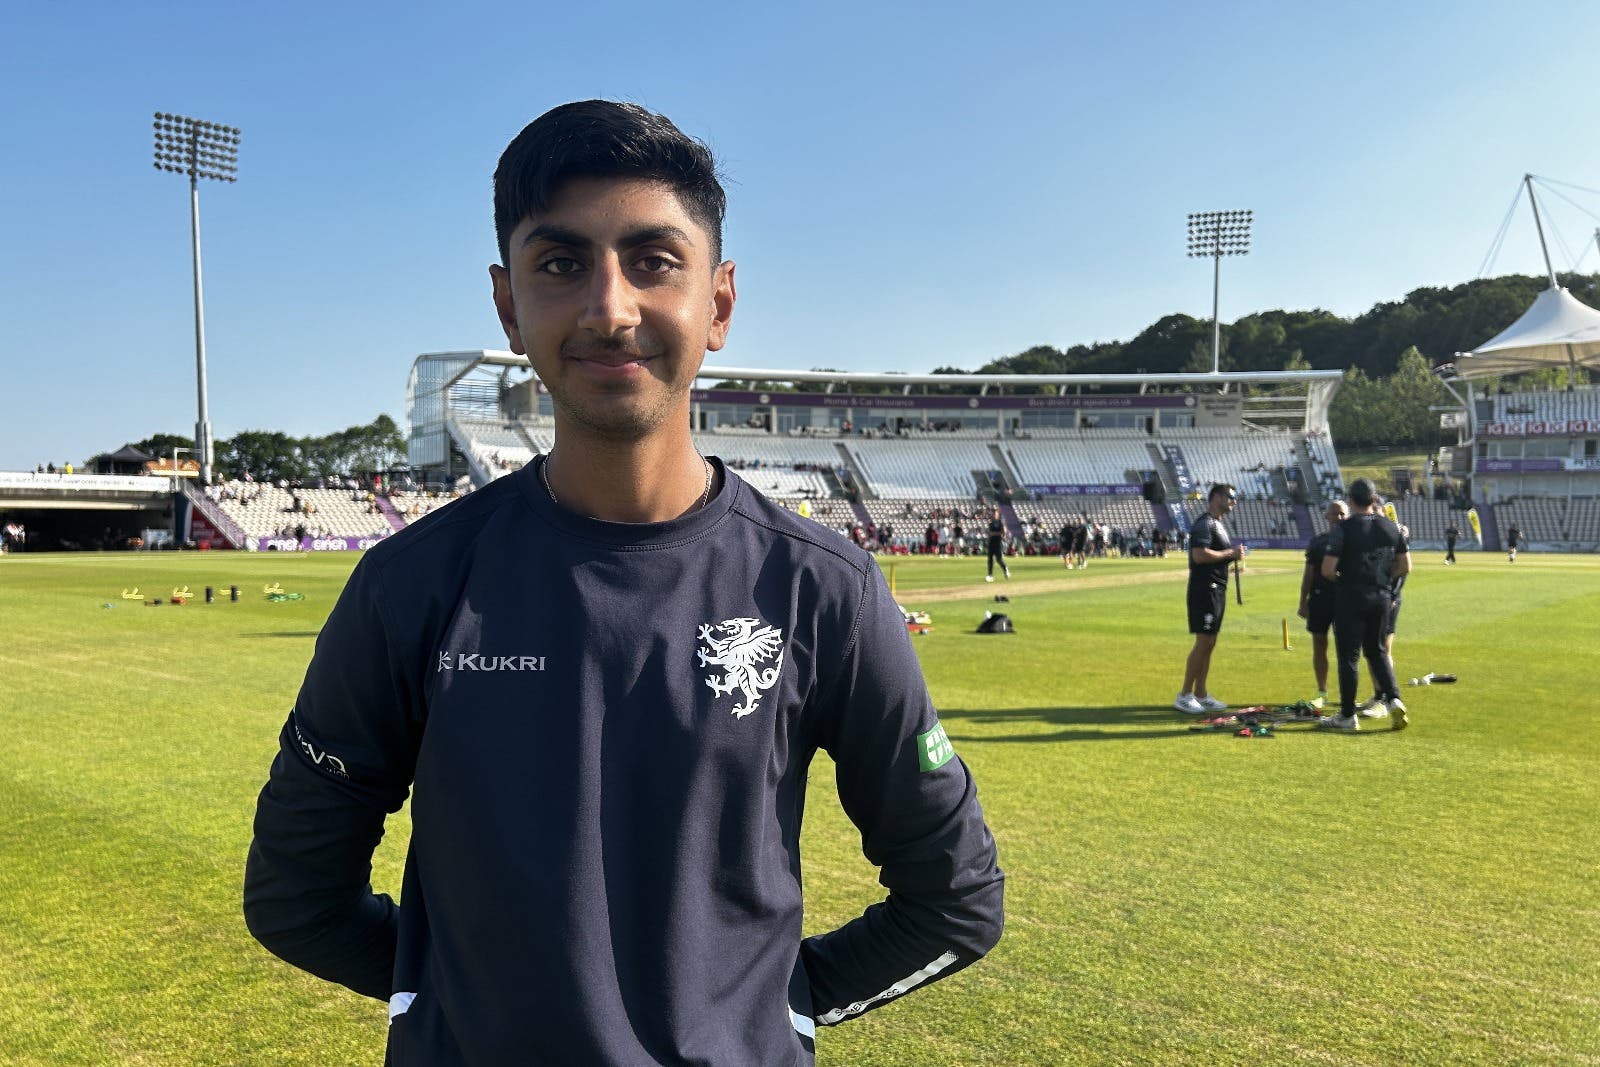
{"x":163,"y":444}
{"x":1411,"y":392}
{"x":267,"y":455}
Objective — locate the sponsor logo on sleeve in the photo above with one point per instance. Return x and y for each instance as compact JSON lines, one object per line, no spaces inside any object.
{"x":934,"y":749}
{"x":320,"y":757}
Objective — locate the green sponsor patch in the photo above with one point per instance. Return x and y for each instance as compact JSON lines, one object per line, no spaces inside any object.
{"x":933,"y":749}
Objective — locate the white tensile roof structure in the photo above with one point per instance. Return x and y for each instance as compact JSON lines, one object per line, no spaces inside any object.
{"x":1559,"y":330}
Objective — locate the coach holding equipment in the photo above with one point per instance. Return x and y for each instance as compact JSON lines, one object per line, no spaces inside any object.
{"x":603,"y":680}
{"x":1366,"y":557}
{"x":1210,"y":552}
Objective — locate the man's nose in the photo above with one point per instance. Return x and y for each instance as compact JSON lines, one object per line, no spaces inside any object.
{"x":611,"y":304}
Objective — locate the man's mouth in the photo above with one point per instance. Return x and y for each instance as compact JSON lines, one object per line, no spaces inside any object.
{"x":613,"y":358}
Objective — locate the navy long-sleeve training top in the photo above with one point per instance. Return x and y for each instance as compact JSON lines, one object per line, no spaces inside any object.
{"x":606,"y":729}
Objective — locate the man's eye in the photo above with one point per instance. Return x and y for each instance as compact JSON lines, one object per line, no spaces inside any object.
{"x":559,"y":265}
{"x":655,"y":264}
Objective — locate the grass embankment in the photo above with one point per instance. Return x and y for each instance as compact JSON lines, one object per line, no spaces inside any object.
{"x":1380,"y":466}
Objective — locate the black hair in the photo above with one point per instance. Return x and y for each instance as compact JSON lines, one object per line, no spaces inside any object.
{"x":1220,"y":489}
{"x":604,"y":139}
{"x":1362,"y":492}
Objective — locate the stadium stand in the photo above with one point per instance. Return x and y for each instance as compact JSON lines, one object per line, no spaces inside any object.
{"x":1325,"y":476}
{"x":1540,"y":519}
{"x":1126,"y":515}
{"x":1094,"y":457}
{"x":1583,"y":521}
{"x":1426,"y":519}
{"x":921,"y":470}
{"x":909,"y":520}
{"x":1582,"y":402}
{"x":946,"y":470}
{"x":1050,"y":451}
{"x":501,"y":447}
{"x":1252,"y":519}
{"x":1247,"y":461}
{"x":413,"y":505}
{"x":269,"y":511}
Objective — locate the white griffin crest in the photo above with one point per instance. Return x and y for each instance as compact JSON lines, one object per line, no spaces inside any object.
{"x":739,"y":648}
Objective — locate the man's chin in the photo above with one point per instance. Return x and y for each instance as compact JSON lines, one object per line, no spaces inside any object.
{"x":624,"y":420}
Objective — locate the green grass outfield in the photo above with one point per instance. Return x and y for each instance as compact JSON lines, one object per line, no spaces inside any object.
{"x":1426,"y":897}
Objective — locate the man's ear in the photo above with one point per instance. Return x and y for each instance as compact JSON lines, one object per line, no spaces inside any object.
{"x":723,"y":295}
{"x":506,"y":307}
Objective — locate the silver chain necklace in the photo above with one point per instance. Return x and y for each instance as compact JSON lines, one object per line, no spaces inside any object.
{"x":705,"y":494}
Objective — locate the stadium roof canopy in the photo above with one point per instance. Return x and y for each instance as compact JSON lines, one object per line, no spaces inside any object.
{"x":488,"y":357}
{"x":1559,"y":330}
{"x":1200,"y":378}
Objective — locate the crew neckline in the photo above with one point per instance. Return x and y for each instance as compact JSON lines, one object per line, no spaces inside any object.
{"x":628,"y":534}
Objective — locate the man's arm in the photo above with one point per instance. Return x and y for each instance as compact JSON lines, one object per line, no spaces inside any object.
{"x":1330,"y":555}
{"x":1402,"y":558}
{"x":345,"y":761}
{"x":1307,"y":575}
{"x":917,"y":809}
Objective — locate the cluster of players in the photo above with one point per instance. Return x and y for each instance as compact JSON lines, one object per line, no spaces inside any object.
{"x":1352,"y":583}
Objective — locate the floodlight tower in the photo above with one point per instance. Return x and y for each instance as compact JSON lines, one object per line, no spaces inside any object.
{"x":201,"y":150}
{"x":1212,"y":235}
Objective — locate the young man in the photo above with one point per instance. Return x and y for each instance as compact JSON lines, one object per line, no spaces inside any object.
{"x":603,"y":679}
{"x":996,"y":545}
{"x":1210,"y":553}
{"x":1513,"y":539}
{"x":1316,"y":600}
{"x":1366,"y":557}
{"x":1451,"y":535}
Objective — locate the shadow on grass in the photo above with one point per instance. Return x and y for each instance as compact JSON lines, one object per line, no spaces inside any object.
{"x":1078,"y":724}
{"x":284,"y":633}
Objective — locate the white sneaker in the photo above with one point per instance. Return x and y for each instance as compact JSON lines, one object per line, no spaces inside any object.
{"x":1376,"y":709}
{"x":1319,"y":701}
{"x":1339,"y":722}
{"x":988,"y":577}
{"x":1397,"y":711}
{"x":1211,"y":703}
{"x":1187,"y":704}
{"x":1369,"y":703}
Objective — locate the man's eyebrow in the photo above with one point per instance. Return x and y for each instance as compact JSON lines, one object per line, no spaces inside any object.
{"x":560,"y":235}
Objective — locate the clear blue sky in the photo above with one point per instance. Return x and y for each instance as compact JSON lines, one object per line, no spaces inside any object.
{"x":911,"y":185}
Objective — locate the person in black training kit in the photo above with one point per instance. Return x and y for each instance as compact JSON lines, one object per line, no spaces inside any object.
{"x":1316,"y":600}
{"x":1366,"y":558}
{"x":1451,"y":535}
{"x":1513,"y":539}
{"x":1210,"y":552}
{"x":603,"y":680}
{"x":996,"y":545}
